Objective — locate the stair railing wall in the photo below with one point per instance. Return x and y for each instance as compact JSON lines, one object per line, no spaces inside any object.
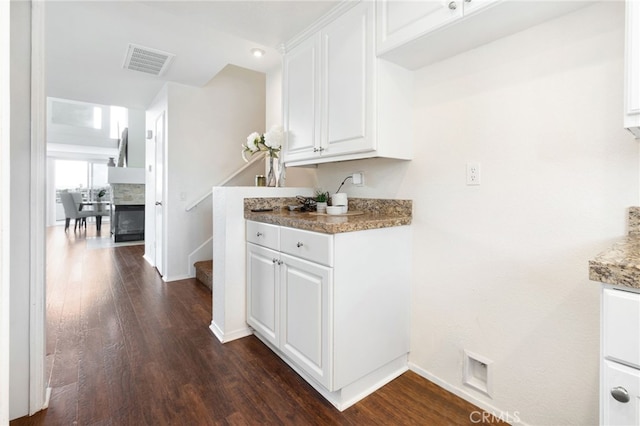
{"x":203,"y":252}
{"x":225,"y":181}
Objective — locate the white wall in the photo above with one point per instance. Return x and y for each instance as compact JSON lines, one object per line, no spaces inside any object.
{"x":500,"y":269}
{"x":206,"y":127}
{"x":20,"y":205}
{"x":137,"y":138}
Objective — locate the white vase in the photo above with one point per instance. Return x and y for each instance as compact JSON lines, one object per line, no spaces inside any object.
{"x":321,"y":206}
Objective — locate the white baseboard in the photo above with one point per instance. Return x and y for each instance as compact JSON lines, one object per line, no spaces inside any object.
{"x":149,"y":260}
{"x":354,"y":392}
{"x":47,"y":398}
{"x":509,"y":417}
{"x":169,"y":279}
{"x":228,"y":337}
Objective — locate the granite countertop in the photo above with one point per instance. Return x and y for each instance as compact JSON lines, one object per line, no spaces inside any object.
{"x":620,"y":265}
{"x":378,"y":213}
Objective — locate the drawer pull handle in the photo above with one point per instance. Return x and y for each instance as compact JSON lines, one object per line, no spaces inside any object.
{"x":259,"y":234}
{"x":453,"y":5}
{"x":299,"y":244}
{"x":620,"y":394}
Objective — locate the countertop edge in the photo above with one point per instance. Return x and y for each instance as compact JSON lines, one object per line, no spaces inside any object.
{"x":619,"y":264}
{"x":316,"y":225}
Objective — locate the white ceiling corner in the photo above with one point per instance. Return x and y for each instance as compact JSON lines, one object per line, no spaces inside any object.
{"x":86,"y":42}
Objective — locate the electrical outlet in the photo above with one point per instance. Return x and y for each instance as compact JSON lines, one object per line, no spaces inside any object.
{"x":358,"y":178}
{"x":473,"y":173}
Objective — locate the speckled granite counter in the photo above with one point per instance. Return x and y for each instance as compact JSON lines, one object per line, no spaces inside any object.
{"x":378,"y":213}
{"x":620,"y":265}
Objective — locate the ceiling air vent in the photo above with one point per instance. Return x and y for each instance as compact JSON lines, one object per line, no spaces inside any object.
{"x":147,"y":60}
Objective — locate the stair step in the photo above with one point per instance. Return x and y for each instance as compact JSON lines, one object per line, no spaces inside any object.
{"x":204,"y":272}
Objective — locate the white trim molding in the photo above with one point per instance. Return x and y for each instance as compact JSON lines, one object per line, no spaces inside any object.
{"x":228,"y":337}
{"x":5,"y":226}
{"x":37,"y":385}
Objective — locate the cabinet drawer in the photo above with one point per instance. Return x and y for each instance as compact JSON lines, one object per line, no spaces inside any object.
{"x":621,"y":323}
{"x":263,"y":234}
{"x":620,"y":395}
{"x":308,"y":245}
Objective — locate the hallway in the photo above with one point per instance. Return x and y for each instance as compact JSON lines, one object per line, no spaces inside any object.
{"x":125,"y":348}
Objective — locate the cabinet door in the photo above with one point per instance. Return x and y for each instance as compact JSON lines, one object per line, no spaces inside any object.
{"x":301,"y":102}
{"x":402,"y":21}
{"x":621,"y":326}
{"x":624,"y":382}
{"x":263,"y":292}
{"x":305,"y":315}
{"x":347,"y":96}
{"x":472,"y":6}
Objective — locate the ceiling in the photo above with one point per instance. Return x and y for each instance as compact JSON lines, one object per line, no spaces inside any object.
{"x":86,"y":42}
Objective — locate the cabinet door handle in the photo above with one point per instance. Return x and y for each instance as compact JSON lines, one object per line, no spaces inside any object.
{"x":299,"y":244}
{"x":453,"y":5}
{"x":259,"y":234}
{"x":620,"y":394}
{"x":274,"y":260}
{"x":280,"y":262}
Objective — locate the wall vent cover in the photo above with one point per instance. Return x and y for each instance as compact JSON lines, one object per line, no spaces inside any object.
{"x":147,"y":60}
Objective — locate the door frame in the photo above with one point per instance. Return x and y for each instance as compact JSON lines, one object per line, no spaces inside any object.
{"x":160,"y":153}
{"x":38,"y":391}
{"x":5,"y":141}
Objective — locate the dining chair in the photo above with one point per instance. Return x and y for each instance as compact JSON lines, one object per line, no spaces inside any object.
{"x":71,"y":204}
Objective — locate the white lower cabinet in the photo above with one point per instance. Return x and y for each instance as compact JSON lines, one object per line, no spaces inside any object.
{"x":620,"y":368}
{"x":305,"y":312}
{"x":335,"y":307}
{"x":263,"y":292}
{"x":621,"y":395}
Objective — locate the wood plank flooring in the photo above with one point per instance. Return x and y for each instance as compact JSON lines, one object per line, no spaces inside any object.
{"x":125,"y":348}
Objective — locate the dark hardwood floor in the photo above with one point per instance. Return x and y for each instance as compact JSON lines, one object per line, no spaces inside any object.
{"x":125,"y":348}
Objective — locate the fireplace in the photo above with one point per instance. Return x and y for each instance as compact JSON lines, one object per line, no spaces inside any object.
{"x":128,"y":222}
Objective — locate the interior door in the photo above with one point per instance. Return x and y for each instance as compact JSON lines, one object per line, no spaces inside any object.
{"x":159,"y":184}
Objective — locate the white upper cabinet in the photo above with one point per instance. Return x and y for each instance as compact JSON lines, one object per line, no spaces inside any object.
{"x":414,"y":34}
{"x":301,"y":82}
{"x":340,"y":101}
{"x":402,"y":21}
{"x":347,"y":45}
{"x":632,"y":68}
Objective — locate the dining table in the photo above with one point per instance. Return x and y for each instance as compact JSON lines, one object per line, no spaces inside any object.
{"x":101,"y":208}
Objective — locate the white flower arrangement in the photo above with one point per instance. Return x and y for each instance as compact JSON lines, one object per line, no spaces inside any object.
{"x":270,"y":142}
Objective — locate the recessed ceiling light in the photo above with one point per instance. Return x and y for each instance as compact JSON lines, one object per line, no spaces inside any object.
{"x":258,"y":53}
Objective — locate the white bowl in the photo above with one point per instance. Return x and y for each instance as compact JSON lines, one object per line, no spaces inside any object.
{"x":334,"y":209}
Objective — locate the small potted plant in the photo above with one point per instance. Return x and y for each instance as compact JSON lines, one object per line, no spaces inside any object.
{"x":321,"y":201}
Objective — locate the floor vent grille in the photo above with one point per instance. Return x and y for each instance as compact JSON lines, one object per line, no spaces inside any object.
{"x":147,"y":60}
